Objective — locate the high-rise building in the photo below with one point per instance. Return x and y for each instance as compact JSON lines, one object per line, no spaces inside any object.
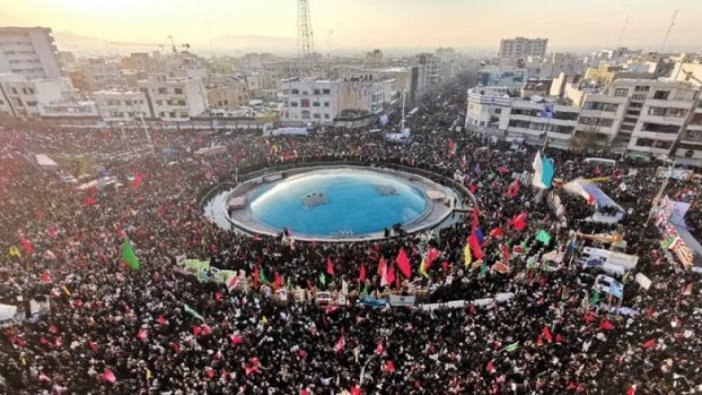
{"x":520,"y":48}
{"x":30,"y":52}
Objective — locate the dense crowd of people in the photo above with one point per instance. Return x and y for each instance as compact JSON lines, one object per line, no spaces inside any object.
{"x":156,"y":330}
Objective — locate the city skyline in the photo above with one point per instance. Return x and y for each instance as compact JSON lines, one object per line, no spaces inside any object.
{"x":413,"y":23}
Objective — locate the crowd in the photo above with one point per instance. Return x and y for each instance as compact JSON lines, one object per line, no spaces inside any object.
{"x":156,"y":330}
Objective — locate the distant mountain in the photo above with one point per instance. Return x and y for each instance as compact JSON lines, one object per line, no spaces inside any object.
{"x":79,"y":44}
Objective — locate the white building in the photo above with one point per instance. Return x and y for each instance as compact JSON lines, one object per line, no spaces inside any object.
{"x":310,"y":101}
{"x":122,"y":106}
{"x":174,"y":100}
{"x":520,"y":48}
{"x":29,"y":52}
{"x":22,"y":97}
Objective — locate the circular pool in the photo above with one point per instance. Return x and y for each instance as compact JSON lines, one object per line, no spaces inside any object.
{"x":332,"y":202}
{"x":338,"y":202}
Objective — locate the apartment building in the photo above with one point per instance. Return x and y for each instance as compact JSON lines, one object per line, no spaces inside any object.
{"x":22,"y":98}
{"x":519,"y":48}
{"x":29,"y":52}
{"x":227,"y":93}
{"x":310,"y":101}
{"x":122,"y":106}
{"x":174,"y":100}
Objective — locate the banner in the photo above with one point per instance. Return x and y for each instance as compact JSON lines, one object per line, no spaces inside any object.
{"x":399,"y":300}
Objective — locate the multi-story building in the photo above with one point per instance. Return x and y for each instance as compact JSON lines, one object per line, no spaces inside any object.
{"x":226,"y":94}
{"x":174,"y":100}
{"x":519,"y":48}
{"x":23,"y":97}
{"x":431,"y":76}
{"x":97,"y":74}
{"x":122,"y":106}
{"x":310,"y":101}
{"x":29,"y":52}
{"x":321,"y":102}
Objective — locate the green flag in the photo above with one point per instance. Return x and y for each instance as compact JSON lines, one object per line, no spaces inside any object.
{"x":595,"y":298}
{"x":512,"y":346}
{"x":483,"y":269}
{"x":262,"y":277}
{"x":543,"y":236}
{"x":192,"y":312}
{"x":322,"y":278}
{"x":129,"y":257}
{"x":364,"y":292}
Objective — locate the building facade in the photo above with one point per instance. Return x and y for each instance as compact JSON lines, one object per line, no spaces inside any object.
{"x":519,"y":48}
{"x":29,"y":52}
{"x":174,"y":100}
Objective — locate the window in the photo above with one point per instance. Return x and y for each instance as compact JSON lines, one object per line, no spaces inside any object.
{"x":316,"y":91}
{"x":661,"y":95}
{"x":14,"y":91}
{"x":594,"y":121}
{"x":599,"y":106}
{"x":295,"y":92}
{"x":162,"y":91}
{"x":498,"y":111}
{"x":315,"y":104}
{"x":181,"y":102}
{"x":178,"y":91}
{"x":286,"y":91}
{"x":657,"y":111}
{"x":642,"y":89}
{"x":644,"y":142}
{"x":326,"y":116}
{"x":305,"y":103}
{"x":162,"y":114}
{"x":172,"y":114}
{"x":316,"y":116}
{"x":305,"y":93}
{"x":159,"y":102}
{"x":293,"y":104}
{"x":305,"y":114}
{"x":659,"y":128}
{"x":638,"y":96}
{"x":326,"y":91}
{"x":326,"y":104}
{"x":621,"y":92}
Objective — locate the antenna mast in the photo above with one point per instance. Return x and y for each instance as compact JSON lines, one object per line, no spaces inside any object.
{"x":621,"y":36}
{"x":305,"y":38}
{"x":670,"y":28}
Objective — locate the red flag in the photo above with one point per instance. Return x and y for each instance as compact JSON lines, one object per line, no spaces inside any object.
{"x":389,"y":367}
{"x":519,"y":222}
{"x":648,"y":343}
{"x":45,"y":278}
{"x":513,"y":189}
{"x":356,"y":390}
{"x":379,"y":349}
{"x":631,"y":390}
{"x":90,"y":201}
{"x":277,"y":281}
{"x":109,"y":376}
{"x":432,"y":255}
{"x":472,"y":188}
{"x":490,"y":367}
{"x":503,"y":170}
{"x":136,"y":182}
{"x":340,"y":344}
{"x":362,"y":273}
{"x":606,"y":325}
{"x":505,"y":254}
{"x":217,"y":296}
{"x":497,"y":233}
{"x":590,"y":199}
{"x":403,"y":263}
{"x":444,"y":266}
{"x":53,"y":230}
{"x":256,"y":275}
{"x":143,"y":334}
{"x":475,"y":246}
{"x":26,"y":244}
{"x":390,"y":275}
{"x":546,"y":333}
{"x":330,"y":267}
{"x":161,"y":320}
{"x":589,"y":317}
{"x":382,"y":267}
{"x":476,"y":218}
{"x":236,"y":339}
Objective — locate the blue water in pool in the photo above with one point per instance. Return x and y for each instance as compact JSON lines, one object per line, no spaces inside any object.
{"x":338,"y":201}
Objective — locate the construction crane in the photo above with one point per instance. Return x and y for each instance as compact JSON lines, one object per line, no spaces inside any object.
{"x":670,"y":28}
{"x":173,"y":45}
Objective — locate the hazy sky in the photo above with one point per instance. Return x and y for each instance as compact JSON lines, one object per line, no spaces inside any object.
{"x":372,"y":23}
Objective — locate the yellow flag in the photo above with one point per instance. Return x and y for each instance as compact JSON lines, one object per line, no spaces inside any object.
{"x":264,"y":320}
{"x":149,"y":376}
{"x":14,"y":251}
{"x":467,"y":257}
{"x":66,"y":290}
{"x":423,"y":268}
